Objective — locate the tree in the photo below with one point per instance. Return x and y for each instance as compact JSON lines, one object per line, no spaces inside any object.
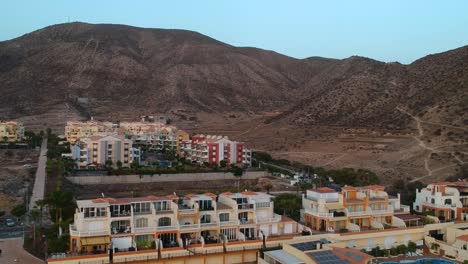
{"x":237,"y":171}
{"x":108,"y":163}
{"x":59,"y":200}
{"x":223,"y":164}
{"x":40,"y":204}
{"x":119,"y":164}
{"x":288,"y":204}
{"x":19,"y":210}
{"x":5,"y":139}
{"x":135,"y":164}
{"x":411,"y":247}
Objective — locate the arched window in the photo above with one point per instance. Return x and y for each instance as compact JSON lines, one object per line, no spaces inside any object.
{"x":164,"y":221}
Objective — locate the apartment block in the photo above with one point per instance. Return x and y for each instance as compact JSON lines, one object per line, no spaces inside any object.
{"x":151,"y":135}
{"x":211,"y":150}
{"x":11,"y":131}
{"x":446,"y":200}
{"x":96,"y":150}
{"x":172,"y":221}
{"x":76,"y":130}
{"x":353,"y":209}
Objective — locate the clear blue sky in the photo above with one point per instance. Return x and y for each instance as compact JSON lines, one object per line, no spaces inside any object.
{"x":387,"y":30}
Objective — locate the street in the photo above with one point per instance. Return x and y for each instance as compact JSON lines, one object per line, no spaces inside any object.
{"x":40,"y":179}
{"x":13,"y":252}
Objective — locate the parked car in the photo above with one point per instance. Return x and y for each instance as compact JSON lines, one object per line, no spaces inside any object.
{"x":10,"y":222}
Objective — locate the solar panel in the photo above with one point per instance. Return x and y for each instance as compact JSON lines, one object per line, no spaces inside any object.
{"x":327,"y":257}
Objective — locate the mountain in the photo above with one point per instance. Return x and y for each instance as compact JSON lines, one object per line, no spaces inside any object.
{"x":78,"y":70}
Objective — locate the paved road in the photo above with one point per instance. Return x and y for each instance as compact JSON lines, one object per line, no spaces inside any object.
{"x":13,"y":253}
{"x":39,"y":182}
{"x":9,"y":232}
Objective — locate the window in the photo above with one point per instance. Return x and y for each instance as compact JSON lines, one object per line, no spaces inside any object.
{"x":141,"y":222}
{"x":205,"y":219}
{"x":165,"y":221}
{"x":224,"y":217}
{"x":432,"y":201}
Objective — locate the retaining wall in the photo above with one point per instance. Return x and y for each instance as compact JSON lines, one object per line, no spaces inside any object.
{"x":191,"y":177}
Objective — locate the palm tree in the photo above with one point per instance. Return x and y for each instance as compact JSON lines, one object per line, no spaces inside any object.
{"x":59,"y":200}
{"x":40,"y":204}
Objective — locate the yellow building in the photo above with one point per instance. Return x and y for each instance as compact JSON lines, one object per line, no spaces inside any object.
{"x":353,"y":209}
{"x":175,"y":222}
{"x":11,"y":131}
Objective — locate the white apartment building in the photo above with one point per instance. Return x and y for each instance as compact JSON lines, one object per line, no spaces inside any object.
{"x":11,"y":131}
{"x":171,"y":221}
{"x":446,"y":200}
{"x":353,"y":209}
{"x":96,"y":150}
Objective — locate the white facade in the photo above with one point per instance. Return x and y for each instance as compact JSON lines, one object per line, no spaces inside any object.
{"x":446,"y":200}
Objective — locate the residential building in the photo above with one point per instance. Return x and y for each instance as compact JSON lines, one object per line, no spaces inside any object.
{"x":353,"y":209}
{"x":97,"y":150}
{"x":209,"y":149}
{"x":171,"y":221}
{"x":11,"y":131}
{"x":445,"y":200}
{"x":76,"y":130}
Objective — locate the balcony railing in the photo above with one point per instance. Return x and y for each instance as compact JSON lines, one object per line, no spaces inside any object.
{"x":189,"y":227}
{"x":275,"y":219}
{"x":212,"y":224}
{"x":263,"y":205}
{"x":187,"y":211}
{"x":382,"y":211}
{"x":229,"y":223}
{"x":359,"y":213}
{"x":246,"y":206}
{"x":139,"y":230}
{"x":247,"y":222}
{"x":74,"y":232}
{"x":163,"y":228}
{"x":168,"y":211}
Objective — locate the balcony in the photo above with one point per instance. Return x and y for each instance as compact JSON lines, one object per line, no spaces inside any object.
{"x":211,"y":224}
{"x":165,"y":228}
{"x":74,"y":232}
{"x":189,"y":227}
{"x":120,"y":230}
{"x":121,"y":214}
{"x":168,"y":211}
{"x":382,"y":211}
{"x":142,"y":212}
{"x":275,"y":219}
{"x":144,"y":230}
{"x":187,"y":211}
{"x":246,"y":206}
{"x":264,"y":205}
{"x":247,"y":222}
{"x":229,"y":223}
{"x":359,"y":213}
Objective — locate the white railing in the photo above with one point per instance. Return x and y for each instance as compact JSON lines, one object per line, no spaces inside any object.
{"x":248,"y":222}
{"x":382,"y":211}
{"x":405,"y":208}
{"x":74,"y":232}
{"x":275,"y":219}
{"x":187,"y":211}
{"x":209,"y":224}
{"x":161,"y":228}
{"x":263,"y":204}
{"x":359,"y":213}
{"x":321,"y":214}
{"x":439,"y":205}
{"x":139,"y":230}
{"x":188,"y":227}
{"x":353,"y":227}
{"x":229,"y":223}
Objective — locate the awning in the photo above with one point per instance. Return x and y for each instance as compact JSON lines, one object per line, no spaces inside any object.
{"x":334,"y":206}
{"x":88,"y":241}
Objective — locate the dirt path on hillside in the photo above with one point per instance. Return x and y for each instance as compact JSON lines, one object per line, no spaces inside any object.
{"x":431,"y":150}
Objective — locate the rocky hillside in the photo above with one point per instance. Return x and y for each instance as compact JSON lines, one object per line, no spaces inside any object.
{"x":116,"y":71}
